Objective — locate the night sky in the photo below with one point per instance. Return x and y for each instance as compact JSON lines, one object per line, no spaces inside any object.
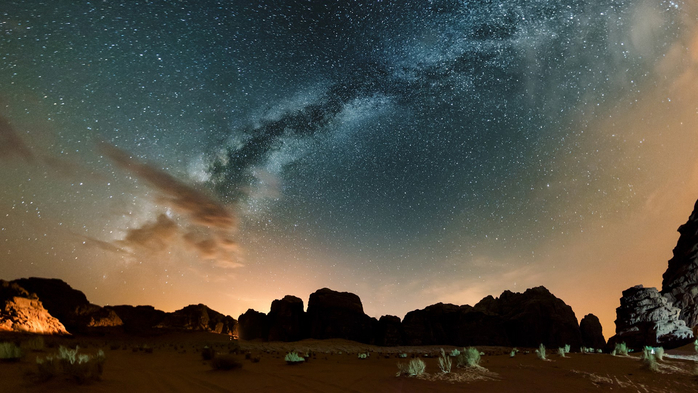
{"x":233,"y":152}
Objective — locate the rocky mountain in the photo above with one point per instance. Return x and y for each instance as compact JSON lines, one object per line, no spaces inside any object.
{"x":680,"y":281}
{"x":592,"y":332}
{"x":21,"y":311}
{"x":333,"y":314}
{"x":198,"y":317}
{"x":645,"y":317}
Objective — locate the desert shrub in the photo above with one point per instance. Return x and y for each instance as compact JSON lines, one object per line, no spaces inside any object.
{"x":444,"y":362}
{"x":363,"y":356}
{"x":454,"y":353}
{"x":208,"y":353}
{"x":568,"y":348}
{"x":540,"y":352}
{"x":34,"y":344}
{"x":561,"y":352}
{"x":9,"y":352}
{"x":414,"y":368}
{"x":402,"y":355}
{"x":78,"y":367}
{"x":470,"y":357}
{"x":620,"y":349}
{"x":649,"y":361}
{"x":293,"y":358}
{"x":659,"y":353}
{"x":225,"y":363}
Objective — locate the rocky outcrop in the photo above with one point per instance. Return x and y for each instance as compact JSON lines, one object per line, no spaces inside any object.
{"x":680,"y":281}
{"x":389,"y":331}
{"x":21,"y":311}
{"x":69,"y":305}
{"x":286,"y":319}
{"x":592,"y":333}
{"x":448,"y":324}
{"x":253,"y":325}
{"x":138,"y":319}
{"x":534,"y":317}
{"x":333,"y":314}
{"x":198,"y":317}
{"x":645,"y":317}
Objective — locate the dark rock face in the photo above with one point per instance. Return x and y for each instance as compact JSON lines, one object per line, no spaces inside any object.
{"x":333,"y":314}
{"x":534,"y":317}
{"x":592,"y":334}
{"x":286,"y":319}
{"x":680,"y":281}
{"x":199,"y":317}
{"x":69,"y":305}
{"x":389,"y":331}
{"x":21,"y":311}
{"x":448,"y":324}
{"x":253,"y":325}
{"x":138,"y":319}
{"x":645,"y":317}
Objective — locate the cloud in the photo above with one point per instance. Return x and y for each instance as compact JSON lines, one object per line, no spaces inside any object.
{"x":155,"y":236}
{"x":11,"y":145}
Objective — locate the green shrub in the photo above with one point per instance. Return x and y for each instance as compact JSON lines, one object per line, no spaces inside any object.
{"x":78,"y":367}
{"x":470,"y":357}
{"x":540,"y":352}
{"x":402,"y":355}
{"x":620,"y":349}
{"x":414,"y":368}
{"x":561,"y":352}
{"x":659,"y":353}
{"x":444,"y":362}
{"x":293,"y":358}
{"x":9,"y":352}
{"x":568,"y":349}
{"x":363,"y":356}
{"x":225,"y":363}
{"x":454,"y":353}
{"x":649,"y":361}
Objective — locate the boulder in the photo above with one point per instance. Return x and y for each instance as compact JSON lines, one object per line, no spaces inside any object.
{"x":680,"y":280}
{"x":286,"y":319}
{"x":253,"y":325}
{"x":646,"y":318}
{"x":21,"y":311}
{"x":389,"y":331}
{"x":534,"y":317}
{"x":69,"y":305}
{"x":333,"y":314}
{"x":138,"y":319}
{"x":592,"y":334}
{"x":198,"y":317}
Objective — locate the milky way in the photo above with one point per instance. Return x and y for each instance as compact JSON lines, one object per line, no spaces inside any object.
{"x":232,"y":152}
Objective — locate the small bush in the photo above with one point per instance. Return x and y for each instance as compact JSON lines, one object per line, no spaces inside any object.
{"x":293,"y":358}
{"x":561,"y":352}
{"x":34,"y":344}
{"x":414,"y":368}
{"x":568,"y":348}
{"x":225,"y":363}
{"x":469,"y":358}
{"x":649,"y":361}
{"x":540,"y":352}
{"x":659,"y":353}
{"x":402,"y":355}
{"x":78,"y":367}
{"x":454,"y":353}
{"x":620,"y":349}
{"x":9,"y":352}
{"x":363,"y":356}
{"x":444,"y":362}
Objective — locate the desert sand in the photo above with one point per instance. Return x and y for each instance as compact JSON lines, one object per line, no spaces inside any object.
{"x":176,"y":365}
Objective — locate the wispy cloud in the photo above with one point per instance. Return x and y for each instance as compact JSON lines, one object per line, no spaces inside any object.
{"x":11,"y":144}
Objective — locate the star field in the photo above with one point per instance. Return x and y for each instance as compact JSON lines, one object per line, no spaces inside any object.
{"x":231,"y":152}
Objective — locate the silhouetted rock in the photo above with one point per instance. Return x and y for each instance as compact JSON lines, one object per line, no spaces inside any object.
{"x":138,"y":319}
{"x":680,"y":281}
{"x":592,"y":334}
{"x":645,"y":317}
{"x":253,"y":325}
{"x":286,"y":319}
{"x":448,"y":324}
{"x":534,"y":317}
{"x":389,"y":331}
{"x":69,"y":305}
{"x":199,"y":317}
{"x":333,"y":314}
{"x":22,"y":311}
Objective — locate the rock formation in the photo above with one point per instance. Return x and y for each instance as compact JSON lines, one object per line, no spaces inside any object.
{"x":333,"y":314}
{"x":199,"y":318}
{"x":592,"y":333}
{"x":253,"y":325}
{"x":680,"y":281}
{"x":389,"y":331}
{"x":286,"y":319}
{"x":138,"y":319}
{"x":69,"y":305}
{"x":534,"y":317}
{"x":645,"y":317}
{"x":21,"y":311}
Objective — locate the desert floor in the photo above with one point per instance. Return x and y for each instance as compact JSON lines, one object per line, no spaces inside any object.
{"x":176,"y":365}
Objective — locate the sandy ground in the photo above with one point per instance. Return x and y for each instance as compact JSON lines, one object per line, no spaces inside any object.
{"x":176,"y":365}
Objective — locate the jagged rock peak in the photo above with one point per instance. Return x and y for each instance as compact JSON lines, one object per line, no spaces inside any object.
{"x":21,"y":311}
{"x":680,"y":281}
{"x":592,"y":332}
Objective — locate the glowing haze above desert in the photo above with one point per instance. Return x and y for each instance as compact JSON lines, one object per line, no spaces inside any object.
{"x":233,"y":152}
